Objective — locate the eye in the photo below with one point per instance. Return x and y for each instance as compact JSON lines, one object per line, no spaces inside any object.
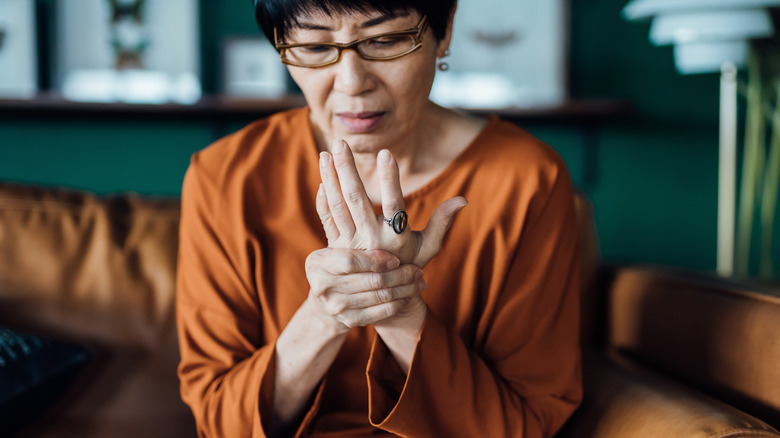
{"x":314,"y":49}
{"x":386,"y":41}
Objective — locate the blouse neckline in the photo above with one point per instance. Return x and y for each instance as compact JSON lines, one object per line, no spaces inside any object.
{"x":438,"y":178}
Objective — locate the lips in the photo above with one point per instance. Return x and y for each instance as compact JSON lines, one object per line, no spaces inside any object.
{"x":361,"y":122}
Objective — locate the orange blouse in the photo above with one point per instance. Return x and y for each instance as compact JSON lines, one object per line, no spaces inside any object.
{"x":498,"y":355}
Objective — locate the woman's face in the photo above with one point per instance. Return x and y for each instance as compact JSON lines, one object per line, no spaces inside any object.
{"x":371,"y":104}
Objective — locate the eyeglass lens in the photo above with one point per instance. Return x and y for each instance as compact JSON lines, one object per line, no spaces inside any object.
{"x":381,"y":47}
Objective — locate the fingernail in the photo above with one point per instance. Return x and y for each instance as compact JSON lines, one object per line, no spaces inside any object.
{"x":419,"y":275}
{"x":338,"y":146}
{"x":383,"y":157}
{"x":393,"y":263}
{"x":422,"y":285}
{"x":323,"y":159}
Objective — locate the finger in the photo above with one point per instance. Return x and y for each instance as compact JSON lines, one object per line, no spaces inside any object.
{"x":348,"y":279}
{"x":341,"y":304}
{"x":342,"y":217}
{"x":389,"y":184}
{"x":352,"y":188}
{"x":337,"y":261}
{"x":375,"y":281}
{"x":331,"y":230}
{"x":373,"y":314}
{"x":436,"y":229}
{"x":362,"y":300}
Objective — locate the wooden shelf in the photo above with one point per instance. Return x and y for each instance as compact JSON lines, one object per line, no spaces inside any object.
{"x":221,"y":108}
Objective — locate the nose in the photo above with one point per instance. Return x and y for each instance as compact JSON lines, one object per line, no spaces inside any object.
{"x":352,"y":75}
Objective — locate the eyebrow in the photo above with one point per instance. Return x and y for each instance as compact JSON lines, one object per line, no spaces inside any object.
{"x":370,"y":23}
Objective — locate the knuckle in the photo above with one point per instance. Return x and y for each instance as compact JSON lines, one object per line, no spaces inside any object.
{"x":325,"y":218}
{"x":375,"y":281}
{"x":336,"y":305}
{"x":350,"y":264}
{"x":410,"y":273}
{"x":353,"y":197}
{"x":392,"y":308}
{"x":316,"y":287}
{"x":384,"y":295}
{"x":351,"y":323}
{"x":309,"y":264}
{"x":339,"y":208}
{"x":341,"y":164}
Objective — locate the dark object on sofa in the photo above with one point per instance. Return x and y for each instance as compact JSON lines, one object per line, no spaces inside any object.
{"x":667,"y":353}
{"x":34,"y":372}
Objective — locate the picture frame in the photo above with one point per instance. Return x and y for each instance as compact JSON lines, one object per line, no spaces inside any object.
{"x":18,"y":49}
{"x":506,"y":53}
{"x":113,"y":51}
{"x":251,"y":69}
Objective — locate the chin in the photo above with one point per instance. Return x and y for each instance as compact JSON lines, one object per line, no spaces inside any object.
{"x":365,"y":143}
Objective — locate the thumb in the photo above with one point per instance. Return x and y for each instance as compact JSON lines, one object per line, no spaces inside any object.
{"x":438,"y":224}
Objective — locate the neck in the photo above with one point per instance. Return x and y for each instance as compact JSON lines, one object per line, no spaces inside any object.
{"x":421,"y":153}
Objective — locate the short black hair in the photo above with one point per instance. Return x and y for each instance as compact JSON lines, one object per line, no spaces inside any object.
{"x":283,"y":14}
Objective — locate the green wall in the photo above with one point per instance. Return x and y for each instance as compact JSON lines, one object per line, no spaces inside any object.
{"x":654,"y":176}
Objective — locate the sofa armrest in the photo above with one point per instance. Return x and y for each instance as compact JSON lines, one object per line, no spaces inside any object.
{"x":624,"y":399}
{"x":716,"y":334}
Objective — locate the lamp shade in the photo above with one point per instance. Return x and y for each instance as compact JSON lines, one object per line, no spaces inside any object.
{"x":706,"y":33}
{"x":710,"y":57}
{"x":706,"y":26}
{"x":642,"y":9}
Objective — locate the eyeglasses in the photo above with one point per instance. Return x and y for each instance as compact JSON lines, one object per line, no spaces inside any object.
{"x":382,"y":47}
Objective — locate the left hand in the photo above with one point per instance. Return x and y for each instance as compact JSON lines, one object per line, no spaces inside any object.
{"x":348,"y":217}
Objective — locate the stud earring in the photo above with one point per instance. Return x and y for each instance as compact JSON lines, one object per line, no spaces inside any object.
{"x":441,"y":65}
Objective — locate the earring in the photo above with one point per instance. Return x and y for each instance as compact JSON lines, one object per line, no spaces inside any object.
{"x":441,"y":65}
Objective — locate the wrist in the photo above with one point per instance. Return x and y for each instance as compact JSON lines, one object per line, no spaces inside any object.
{"x":411,"y":318}
{"x":324,"y":321}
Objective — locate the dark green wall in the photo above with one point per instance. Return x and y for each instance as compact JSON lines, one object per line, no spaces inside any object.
{"x":654,"y":182}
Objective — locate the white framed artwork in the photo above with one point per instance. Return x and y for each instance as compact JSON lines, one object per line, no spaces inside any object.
{"x":18,"y":54}
{"x":134,"y":51}
{"x":251,"y":68}
{"x":506,"y":53}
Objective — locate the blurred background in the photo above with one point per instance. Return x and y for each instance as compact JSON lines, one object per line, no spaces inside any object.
{"x":119,"y":103}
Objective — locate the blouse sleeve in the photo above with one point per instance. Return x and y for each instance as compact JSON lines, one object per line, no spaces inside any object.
{"x":227,"y":367}
{"x":525,"y":381}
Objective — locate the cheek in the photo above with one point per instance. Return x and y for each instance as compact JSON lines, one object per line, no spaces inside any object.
{"x":413,"y":83}
{"x":310,"y":82}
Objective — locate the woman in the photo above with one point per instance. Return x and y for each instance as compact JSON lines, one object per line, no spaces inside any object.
{"x":303,"y":307}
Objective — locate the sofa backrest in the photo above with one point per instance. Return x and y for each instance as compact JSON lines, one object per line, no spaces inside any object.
{"x":99,"y":271}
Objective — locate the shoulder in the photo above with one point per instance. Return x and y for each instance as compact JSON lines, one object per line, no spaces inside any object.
{"x":511,"y":178}
{"x":235,"y":154}
{"x":519,"y":147}
{"x":254,"y":152}
{"x":508,"y":155}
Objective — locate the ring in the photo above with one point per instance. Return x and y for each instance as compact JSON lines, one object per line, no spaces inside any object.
{"x":398,"y":221}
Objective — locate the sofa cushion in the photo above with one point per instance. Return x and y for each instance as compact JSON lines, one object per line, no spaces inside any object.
{"x":99,"y":271}
{"x":34,"y":372}
{"x":721,"y":337}
{"x":623,"y":399}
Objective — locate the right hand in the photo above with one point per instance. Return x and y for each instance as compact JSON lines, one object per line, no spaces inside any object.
{"x":348,"y":217}
{"x":354,"y":288}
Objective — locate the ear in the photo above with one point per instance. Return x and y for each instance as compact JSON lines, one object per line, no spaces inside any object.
{"x":444,"y":44}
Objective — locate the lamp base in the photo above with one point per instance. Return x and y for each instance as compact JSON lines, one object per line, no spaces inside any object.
{"x":727,"y":169}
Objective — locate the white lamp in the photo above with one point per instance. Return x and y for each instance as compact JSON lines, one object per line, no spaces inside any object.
{"x":711,"y":36}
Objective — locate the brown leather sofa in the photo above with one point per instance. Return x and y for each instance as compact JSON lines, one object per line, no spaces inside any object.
{"x":667,"y":354}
